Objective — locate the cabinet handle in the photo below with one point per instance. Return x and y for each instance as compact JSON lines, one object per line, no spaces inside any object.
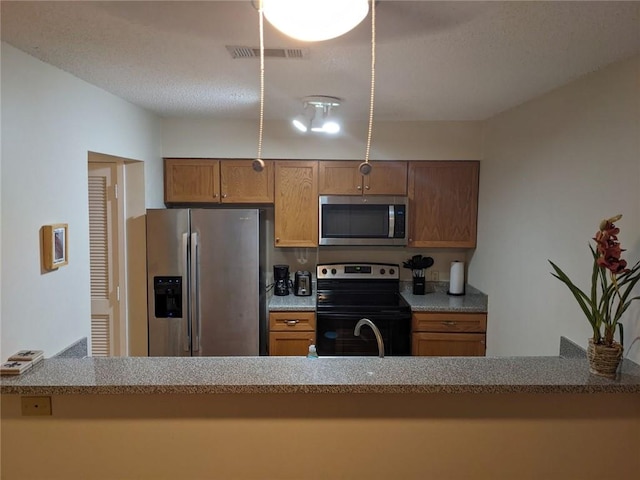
{"x":367,"y":187}
{"x":359,"y":187}
{"x":449,"y":323}
{"x":291,"y":323}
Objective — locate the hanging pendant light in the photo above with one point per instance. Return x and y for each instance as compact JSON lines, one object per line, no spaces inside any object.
{"x":315,"y":20}
{"x":365,"y":167}
{"x":258,"y":164}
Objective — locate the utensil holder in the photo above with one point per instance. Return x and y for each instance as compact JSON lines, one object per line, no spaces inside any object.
{"x":418,"y":285}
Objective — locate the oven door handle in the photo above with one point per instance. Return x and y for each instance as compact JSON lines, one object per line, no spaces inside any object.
{"x":380,"y":315}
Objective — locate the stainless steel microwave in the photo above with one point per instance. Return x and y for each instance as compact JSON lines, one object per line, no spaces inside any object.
{"x":362,"y":220}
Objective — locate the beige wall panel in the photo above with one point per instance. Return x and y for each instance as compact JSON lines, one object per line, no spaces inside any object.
{"x":323,"y":436}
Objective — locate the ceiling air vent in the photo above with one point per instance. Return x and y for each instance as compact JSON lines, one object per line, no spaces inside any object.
{"x":254,"y":52}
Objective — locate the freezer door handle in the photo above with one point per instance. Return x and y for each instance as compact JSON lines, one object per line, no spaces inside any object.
{"x":195,"y":292}
{"x":184,"y":258}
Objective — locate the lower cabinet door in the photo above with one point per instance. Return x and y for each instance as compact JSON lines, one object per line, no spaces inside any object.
{"x":290,"y":343}
{"x":448,"y":344}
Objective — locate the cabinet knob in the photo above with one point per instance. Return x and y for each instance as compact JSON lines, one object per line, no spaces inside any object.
{"x":215,"y":195}
{"x":224,"y":195}
{"x":367,"y":187}
{"x":359,"y":187}
{"x":277,"y":239}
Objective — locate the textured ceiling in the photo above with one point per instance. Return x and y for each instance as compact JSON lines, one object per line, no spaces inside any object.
{"x":435,"y":60}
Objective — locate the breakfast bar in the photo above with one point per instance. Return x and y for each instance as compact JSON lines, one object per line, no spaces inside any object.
{"x":277,"y":417}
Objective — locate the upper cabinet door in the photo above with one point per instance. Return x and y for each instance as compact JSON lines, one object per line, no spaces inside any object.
{"x":443,"y":204}
{"x":386,"y":178}
{"x":339,"y":178}
{"x":344,"y":178}
{"x":240,"y":183}
{"x":191,"y":180}
{"x":296,"y":204}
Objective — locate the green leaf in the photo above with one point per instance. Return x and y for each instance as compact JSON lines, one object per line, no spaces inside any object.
{"x":583,"y":300}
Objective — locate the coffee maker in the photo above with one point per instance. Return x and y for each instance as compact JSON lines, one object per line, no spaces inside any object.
{"x":281,"y":280}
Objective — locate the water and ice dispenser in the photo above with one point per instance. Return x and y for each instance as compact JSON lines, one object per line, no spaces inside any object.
{"x":167,"y":297}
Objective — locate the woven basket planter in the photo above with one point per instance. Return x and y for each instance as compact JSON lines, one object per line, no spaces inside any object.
{"x":604,"y":359}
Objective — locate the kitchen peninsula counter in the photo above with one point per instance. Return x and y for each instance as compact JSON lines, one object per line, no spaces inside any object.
{"x":391,"y":375}
{"x":149,"y":418}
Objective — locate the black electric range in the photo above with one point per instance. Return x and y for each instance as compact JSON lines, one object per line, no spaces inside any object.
{"x":348,"y":292}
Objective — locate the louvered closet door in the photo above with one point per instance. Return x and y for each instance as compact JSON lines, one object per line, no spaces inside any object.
{"x":103,"y":257}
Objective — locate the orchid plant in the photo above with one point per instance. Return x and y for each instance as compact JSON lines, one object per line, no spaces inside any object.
{"x":611,"y":284}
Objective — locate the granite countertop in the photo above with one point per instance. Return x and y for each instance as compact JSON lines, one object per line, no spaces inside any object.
{"x":292,"y":303}
{"x":566,"y":373}
{"x":435,"y":300}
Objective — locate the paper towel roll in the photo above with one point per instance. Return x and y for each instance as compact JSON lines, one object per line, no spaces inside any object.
{"x":456,"y":278}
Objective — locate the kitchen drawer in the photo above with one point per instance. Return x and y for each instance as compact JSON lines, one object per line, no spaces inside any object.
{"x":287,"y":344}
{"x":292,"y":321}
{"x":448,"y":344}
{"x":449,"y":322}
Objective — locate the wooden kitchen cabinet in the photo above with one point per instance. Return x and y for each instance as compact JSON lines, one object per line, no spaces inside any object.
{"x":343,"y":178}
{"x":446,"y":334}
{"x":207,"y":180}
{"x":240,"y":183}
{"x":191,"y":180}
{"x":291,"y":333}
{"x":443,"y":203}
{"x":296,"y":204}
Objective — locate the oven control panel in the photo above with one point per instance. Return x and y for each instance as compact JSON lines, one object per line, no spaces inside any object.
{"x":370,"y":271}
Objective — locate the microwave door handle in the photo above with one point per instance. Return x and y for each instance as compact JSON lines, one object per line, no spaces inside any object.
{"x":392,"y":222}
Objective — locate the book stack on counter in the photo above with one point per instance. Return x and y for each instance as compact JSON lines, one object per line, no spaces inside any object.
{"x":21,"y":361}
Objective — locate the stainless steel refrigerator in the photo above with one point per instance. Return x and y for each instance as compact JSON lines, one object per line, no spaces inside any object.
{"x":205,"y":275}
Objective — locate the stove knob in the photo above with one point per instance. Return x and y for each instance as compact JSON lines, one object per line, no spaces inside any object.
{"x":382,"y":271}
{"x":324,"y":271}
{"x":333,"y":271}
{"x":391,"y":271}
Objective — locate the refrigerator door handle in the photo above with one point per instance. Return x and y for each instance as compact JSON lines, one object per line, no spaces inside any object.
{"x":195,"y":292}
{"x":185,"y":322}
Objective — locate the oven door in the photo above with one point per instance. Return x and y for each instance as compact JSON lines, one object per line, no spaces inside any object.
{"x":335,"y":337}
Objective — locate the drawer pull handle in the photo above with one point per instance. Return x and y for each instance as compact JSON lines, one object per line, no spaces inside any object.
{"x":291,"y":323}
{"x":449,"y":323}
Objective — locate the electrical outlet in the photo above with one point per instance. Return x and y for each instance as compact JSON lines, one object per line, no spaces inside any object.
{"x":32,"y":406}
{"x":434,"y":276}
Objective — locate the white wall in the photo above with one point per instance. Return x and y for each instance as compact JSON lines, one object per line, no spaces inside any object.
{"x":390,"y":140}
{"x":50,"y":120}
{"x":552,"y":169}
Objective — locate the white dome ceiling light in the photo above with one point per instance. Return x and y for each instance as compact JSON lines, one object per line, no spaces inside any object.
{"x":315,"y":20}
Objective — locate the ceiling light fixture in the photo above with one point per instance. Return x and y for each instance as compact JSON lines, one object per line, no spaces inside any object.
{"x":318,"y":115}
{"x":315,"y":20}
